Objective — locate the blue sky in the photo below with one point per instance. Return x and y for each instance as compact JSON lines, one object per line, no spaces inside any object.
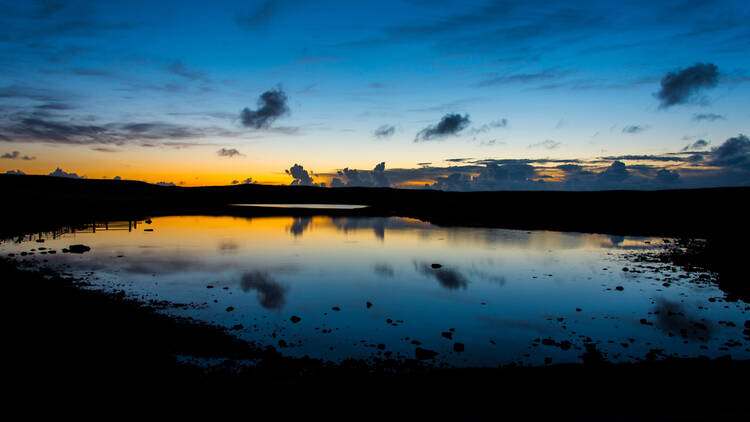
{"x":152,"y":90}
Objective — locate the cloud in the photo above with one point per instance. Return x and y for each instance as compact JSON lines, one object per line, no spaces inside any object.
{"x":450,"y":124}
{"x":683,"y":85}
{"x":300,"y":175}
{"x":260,"y":17}
{"x":271,"y":294}
{"x":616,"y":172}
{"x":46,"y":128}
{"x":16,"y":172}
{"x":523,"y":78}
{"x":699,"y":144}
{"x":489,"y":126}
{"x":353,"y":177}
{"x":709,"y":117}
{"x":181,"y":69}
{"x":60,"y":173}
{"x":247,"y":181}
{"x":667,"y":176}
{"x":224,"y":152}
{"x":379,"y":177}
{"x":15,"y":155}
{"x":271,"y":105}
{"x":548,"y":144}
{"x":633,"y":129}
{"x":734,"y":152}
{"x":165,"y":184}
{"x":385,"y":131}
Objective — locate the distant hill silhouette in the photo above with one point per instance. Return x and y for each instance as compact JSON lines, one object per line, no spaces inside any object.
{"x":33,"y":203}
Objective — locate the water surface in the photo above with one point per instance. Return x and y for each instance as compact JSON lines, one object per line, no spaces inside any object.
{"x":475,"y":296}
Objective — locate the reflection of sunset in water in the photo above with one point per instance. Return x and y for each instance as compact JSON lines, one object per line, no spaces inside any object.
{"x":500,"y":290}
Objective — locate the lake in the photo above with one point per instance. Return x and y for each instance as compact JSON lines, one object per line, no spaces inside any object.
{"x":344,"y":287}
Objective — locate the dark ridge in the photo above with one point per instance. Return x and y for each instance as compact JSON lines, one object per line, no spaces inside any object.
{"x":37,"y":201}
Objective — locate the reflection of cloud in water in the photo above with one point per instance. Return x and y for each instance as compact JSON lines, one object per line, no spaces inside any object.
{"x":384,"y":270}
{"x":671,"y":318}
{"x":377,"y":224}
{"x":498,"y":279}
{"x":299,"y":225}
{"x":227,"y":246}
{"x":448,"y":278}
{"x":271,"y":294}
{"x":162,"y":265}
{"x":616,"y":240}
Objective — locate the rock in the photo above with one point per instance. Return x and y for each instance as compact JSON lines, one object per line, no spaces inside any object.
{"x":436,"y":266}
{"x":282,"y":343}
{"x":209,"y":287}
{"x":547,"y":361}
{"x":78,"y":248}
{"x":548,"y":342}
{"x":458,"y":347}
{"x":578,"y":309}
{"x":230,"y":308}
{"x":381,"y":346}
{"x":565,"y":345}
{"x":619,"y":288}
{"x":237,"y":327}
{"x":424,"y":354}
{"x":369,"y":305}
{"x":625,"y":269}
{"x":447,"y":334}
{"x":295,"y":319}
{"x":336,"y":308}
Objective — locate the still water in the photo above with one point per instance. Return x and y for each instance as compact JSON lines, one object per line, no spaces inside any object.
{"x":381,"y":287}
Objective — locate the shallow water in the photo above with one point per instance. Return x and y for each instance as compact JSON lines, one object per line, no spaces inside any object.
{"x":506,"y":295}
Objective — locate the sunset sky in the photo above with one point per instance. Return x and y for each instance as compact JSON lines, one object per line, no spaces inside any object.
{"x":451,"y":94}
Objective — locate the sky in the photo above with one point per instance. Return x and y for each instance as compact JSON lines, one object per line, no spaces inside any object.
{"x":454,"y":95}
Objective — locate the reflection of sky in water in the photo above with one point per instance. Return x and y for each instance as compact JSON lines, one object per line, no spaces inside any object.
{"x":498,"y":289}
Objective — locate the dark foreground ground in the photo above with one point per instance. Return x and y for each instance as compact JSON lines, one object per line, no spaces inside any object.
{"x":68,"y":342}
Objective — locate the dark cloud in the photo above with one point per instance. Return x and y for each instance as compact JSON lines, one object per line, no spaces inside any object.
{"x":450,"y":124}
{"x":683,"y":85}
{"x":300,"y":175}
{"x":379,"y":177}
{"x":667,"y":176}
{"x":353,"y":177}
{"x":15,"y":155}
{"x":616,"y":172}
{"x":231,"y":152}
{"x":43,"y":127}
{"x":271,"y":294}
{"x":699,"y":144}
{"x":632,"y":129}
{"x":60,"y":173}
{"x":734,"y":153}
{"x":708,"y":117}
{"x":385,"y":131}
{"x":547,"y":143}
{"x":16,"y":172}
{"x":271,"y":105}
{"x":165,"y":184}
